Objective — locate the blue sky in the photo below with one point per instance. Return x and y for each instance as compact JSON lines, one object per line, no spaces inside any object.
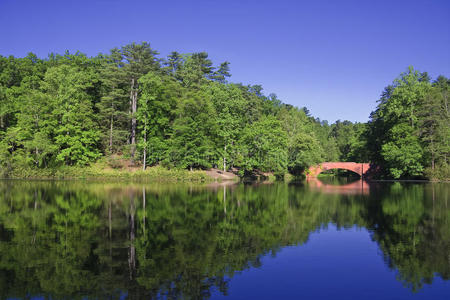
{"x":334,"y":57}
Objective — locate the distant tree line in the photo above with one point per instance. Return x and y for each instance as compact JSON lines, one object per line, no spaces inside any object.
{"x":181,"y":112}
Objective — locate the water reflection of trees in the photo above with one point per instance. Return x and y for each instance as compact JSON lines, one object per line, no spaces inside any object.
{"x":64,"y":239}
{"x":413,"y":231}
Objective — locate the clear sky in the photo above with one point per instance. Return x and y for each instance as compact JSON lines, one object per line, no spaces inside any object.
{"x":334,"y":57}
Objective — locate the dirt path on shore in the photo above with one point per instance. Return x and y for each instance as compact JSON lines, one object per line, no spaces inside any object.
{"x":220,"y":174}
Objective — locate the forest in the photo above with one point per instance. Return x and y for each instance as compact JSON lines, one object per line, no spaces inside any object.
{"x":181,"y":112}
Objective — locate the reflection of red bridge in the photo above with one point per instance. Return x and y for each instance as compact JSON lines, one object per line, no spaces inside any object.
{"x":354,"y":188}
{"x":362,"y":169}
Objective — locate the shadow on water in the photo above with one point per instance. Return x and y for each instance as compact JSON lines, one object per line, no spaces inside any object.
{"x":100,"y":240}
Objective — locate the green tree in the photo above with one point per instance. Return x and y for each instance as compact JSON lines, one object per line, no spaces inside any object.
{"x":263,"y":146}
{"x":403,"y":152}
{"x":435,"y":129}
{"x":304,"y":152}
{"x":73,"y":124}
{"x":155,"y":114}
{"x":140,"y":59}
{"x":304,"y":149}
{"x":34,"y":132}
{"x":396,"y":123}
{"x":113,"y":104}
{"x":192,"y":142}
{"x":229,"y":106}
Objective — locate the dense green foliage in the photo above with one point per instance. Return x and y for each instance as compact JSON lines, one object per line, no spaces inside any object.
{"x":408,"y":135}
{"x":409,"y":132}
{"x":69,"y":110}
{"x":181,"y":112}
{"x":84,"y":240}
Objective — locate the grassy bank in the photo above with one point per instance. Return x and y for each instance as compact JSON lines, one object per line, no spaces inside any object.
{"x":101,"y":170}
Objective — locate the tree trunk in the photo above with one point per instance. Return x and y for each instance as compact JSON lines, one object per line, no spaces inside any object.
{"x":133,"y":102}
{"x":110,"y":134}
{"x":36,"y":151}
{"x":144,"y":163}
{"x":224,"y":158}
{"x":432,"y":150}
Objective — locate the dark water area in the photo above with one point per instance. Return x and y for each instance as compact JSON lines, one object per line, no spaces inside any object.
{"x":319,"y":239}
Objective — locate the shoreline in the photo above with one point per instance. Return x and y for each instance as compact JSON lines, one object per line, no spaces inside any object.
{"x":96,"y":172}
{"x":197,"y":176}
{"x":100,"y":171}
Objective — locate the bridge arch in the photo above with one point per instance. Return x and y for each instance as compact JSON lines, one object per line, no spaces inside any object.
{"x":362,"y":169}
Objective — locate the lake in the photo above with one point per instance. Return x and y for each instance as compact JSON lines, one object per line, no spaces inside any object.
{"x":317,"y":239}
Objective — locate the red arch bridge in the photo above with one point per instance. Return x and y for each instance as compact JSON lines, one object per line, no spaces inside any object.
{"x":362,"y":169}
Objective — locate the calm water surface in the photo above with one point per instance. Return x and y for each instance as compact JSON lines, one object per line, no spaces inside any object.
{"x":310,"y":240}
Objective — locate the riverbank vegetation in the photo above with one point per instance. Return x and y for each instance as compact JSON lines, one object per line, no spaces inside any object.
{"x":101,"y":170}
{"x":181,"y":113}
